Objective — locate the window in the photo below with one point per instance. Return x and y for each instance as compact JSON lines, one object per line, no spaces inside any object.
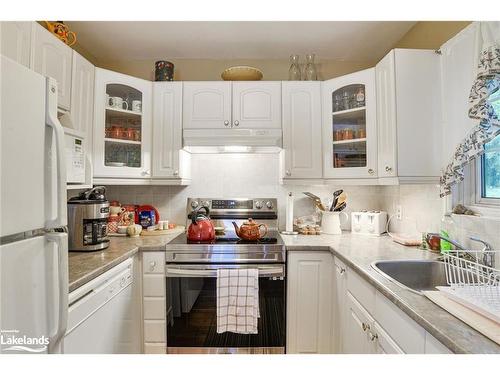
{"x":489,"y":176}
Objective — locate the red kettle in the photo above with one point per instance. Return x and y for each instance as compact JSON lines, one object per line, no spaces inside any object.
{"x":201,"y":228}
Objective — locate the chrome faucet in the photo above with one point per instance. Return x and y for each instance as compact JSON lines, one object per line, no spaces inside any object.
{"x":488,"y":257}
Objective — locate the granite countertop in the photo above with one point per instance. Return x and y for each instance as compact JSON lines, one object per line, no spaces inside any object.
{"x":358,"y":252}
{"x":85,"y":266}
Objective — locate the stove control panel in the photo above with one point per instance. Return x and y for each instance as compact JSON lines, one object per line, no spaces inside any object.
{"x":266,"y":204}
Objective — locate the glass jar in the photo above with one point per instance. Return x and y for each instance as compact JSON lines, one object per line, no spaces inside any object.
{"x":310,"y":69}
{"x":294,"y":71}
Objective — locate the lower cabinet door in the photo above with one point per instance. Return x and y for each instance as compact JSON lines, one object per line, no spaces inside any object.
{"x":357,"y":329}
{"x":309,"y":302}
{"x":384,"y":343}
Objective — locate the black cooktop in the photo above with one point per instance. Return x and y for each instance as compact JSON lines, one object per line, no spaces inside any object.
{"x":230,"y":238}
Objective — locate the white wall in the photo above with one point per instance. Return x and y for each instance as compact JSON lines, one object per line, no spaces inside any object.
{"x":237,"y":175}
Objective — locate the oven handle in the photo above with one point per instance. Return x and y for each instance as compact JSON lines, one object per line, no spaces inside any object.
{"x":190,"y":272}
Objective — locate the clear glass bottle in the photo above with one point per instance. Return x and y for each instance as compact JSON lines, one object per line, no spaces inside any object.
{"x":447,"y":231}
{"x":294,"y":71}
{"x":310,"y":73}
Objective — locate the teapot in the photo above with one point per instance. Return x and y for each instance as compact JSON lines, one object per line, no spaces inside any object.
{"x":250,"y":230}
{"x":62,"y":32}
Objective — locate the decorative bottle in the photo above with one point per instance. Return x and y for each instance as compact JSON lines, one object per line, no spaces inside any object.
{"x":310,"y":69}
{"x":294,"y":71}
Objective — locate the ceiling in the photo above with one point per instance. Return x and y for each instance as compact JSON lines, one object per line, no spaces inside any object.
{"x":335,"y":40}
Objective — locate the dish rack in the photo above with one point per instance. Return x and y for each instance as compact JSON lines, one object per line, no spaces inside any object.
{"x":472,"y":283}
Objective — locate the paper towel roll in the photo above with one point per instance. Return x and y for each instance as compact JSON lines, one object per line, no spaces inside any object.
{"x":289,"y":212}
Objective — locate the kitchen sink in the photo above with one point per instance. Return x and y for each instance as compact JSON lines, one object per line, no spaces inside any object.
{"x":415,"y":275}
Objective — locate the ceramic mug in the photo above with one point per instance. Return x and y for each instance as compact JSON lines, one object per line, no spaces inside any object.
{"x":117,"y":102}
{"x":134,"y":230}
{"x":330,"y":222}
{"x":136,"y":105}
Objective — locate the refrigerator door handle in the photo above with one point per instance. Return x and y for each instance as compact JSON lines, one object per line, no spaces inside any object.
{"x":61,"y":241}
{"x":52,"y":121}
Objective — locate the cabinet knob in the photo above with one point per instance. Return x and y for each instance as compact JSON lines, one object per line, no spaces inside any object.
{"x":365,"y":326}
{"x":226,"y":123}
{"x":373,"y":336}
{"x":152,"y":265}
{"x":176,"y":173}
{"x":145,"y":173}
{"x":387,"y":168}
{"x":371,"y":171}
{"x":288,"y":173}
{"x":236,"y":123}
{"x":342,"y":270}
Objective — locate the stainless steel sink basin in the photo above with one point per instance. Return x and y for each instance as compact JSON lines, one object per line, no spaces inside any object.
{"x":415,"y":275}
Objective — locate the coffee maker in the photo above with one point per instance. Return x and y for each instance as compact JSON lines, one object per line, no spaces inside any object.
{"x":87,"y":220}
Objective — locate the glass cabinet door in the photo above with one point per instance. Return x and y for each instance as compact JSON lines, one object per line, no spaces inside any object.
{"x":350,"y":144}
{"x":122,"y":126}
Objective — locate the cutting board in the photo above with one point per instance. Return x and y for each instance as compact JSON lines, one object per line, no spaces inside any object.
{"x":486,"y":326}
{"x":177,"y":229}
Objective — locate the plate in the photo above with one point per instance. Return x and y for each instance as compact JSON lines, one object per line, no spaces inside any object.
{"x":147,"y":207}
{"x":242,"y":73}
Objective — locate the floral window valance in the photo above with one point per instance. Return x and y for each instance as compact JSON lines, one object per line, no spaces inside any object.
{"x":486,"y":83}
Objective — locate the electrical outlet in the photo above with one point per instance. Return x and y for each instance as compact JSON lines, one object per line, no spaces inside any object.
{"x":399,"y":212}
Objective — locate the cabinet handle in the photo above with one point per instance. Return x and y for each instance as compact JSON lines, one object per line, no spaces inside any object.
{"x":365,"y":326}
{"x":236,"y":123}
{"x":373,"y":336}
{"x":176,"y":173}
{"x":288,"y":173}
{"x":371,"y":171}
{"x":387,"y":168}
{"x":226,"y":123}
{"x":152,"y":265}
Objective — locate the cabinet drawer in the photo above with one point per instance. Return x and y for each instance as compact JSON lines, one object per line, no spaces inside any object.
{"x":153,"y":286}
{"x":154,"y":308}
{"x":154,"y":348}
{"x":154,"y":331}
{"x":406,"y":332}
{"x":361,"y":290}
{"x":153,"y":262}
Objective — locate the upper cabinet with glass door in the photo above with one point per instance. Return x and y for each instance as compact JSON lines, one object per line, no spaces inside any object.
{"x":122,"y":126}
{"x":350,"y":126}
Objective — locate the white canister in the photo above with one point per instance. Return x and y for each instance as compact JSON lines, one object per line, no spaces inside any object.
{"x":330,"y":222}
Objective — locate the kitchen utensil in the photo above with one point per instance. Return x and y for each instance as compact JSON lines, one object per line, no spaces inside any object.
{"x":242,"y":73}
{"x":341,"y":207}
{"x":164,"y":71}
{"x":118,"y":102}
{"x":201,"y":228}
{"x":335,"y":198}
{"x":250,"y":230}
{"x":316,"y":200}
{"x":330,"y":222}
{"x":341,"y":199}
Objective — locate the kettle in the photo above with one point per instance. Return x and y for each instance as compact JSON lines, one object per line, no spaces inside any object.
{"x":201,"y":228}
{"x":250,"y":230}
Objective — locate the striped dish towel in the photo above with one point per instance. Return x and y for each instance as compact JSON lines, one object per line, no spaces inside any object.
{"x":237,"y":300}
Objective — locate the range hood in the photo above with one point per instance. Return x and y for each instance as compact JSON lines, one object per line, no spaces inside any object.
{"x":232,"y":140}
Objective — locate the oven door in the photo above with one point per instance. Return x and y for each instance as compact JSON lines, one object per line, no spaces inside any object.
{"x":192,"y":311}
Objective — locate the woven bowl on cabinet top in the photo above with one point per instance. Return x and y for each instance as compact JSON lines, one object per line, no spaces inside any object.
{"x":242,"y":73}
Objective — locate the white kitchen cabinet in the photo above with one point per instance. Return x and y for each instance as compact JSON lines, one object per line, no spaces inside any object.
{"x":16,"y":41}
{"x":309,"y":302}
{"x":169,"y":160}
{"x":384,"y":344}
{"x":350,"y":126}
{"x":82,"y":98}
{"x":256,"y":105}
{"x":409,"y":116}
{"x":153,"y":302}
{"x":206,"y":105}
{"x":357,"y":328}
{"x":51,"y":57}
{"x":122,"y":132}
{"x":339,"y":304}
{"x":301,"y":103}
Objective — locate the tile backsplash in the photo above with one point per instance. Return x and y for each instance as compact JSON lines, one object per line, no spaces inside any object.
{"x":257,"y":175}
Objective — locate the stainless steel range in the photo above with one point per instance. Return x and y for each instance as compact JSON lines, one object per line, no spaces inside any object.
{"x":191,"y":280}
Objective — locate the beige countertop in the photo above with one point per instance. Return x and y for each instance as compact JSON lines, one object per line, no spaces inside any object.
{"x":358,"y":252}
{"x":85,"y":266}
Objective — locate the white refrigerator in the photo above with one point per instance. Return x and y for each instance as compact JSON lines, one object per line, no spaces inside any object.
{"x":33,"y":234}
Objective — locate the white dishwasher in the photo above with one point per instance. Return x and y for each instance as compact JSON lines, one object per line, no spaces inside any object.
{"x":102,"y":318}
